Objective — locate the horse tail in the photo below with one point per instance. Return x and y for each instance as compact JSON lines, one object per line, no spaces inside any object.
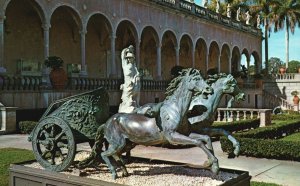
{"x":96,"y":150}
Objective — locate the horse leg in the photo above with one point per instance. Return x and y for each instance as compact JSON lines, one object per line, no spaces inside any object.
{"x":177,"y":138}
{"x":120,"y":163}
{"x":105,"y":156}
{"x":116,"y":146}
{"x":208,"y":142}
{"x":216,"y":131}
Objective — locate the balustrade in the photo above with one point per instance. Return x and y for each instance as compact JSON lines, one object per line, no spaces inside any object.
{"x":192,"y":8}
{"x":237,"y":114}
{"x":18,"y":83}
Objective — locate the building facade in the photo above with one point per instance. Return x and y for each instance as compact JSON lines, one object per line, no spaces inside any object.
{"x":92,"y":33}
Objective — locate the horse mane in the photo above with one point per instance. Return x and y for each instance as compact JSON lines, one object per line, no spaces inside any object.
{"x":213,"y":78}
{"x":176,"y":81}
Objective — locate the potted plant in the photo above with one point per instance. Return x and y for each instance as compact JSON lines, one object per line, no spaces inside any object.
{"x":295,"y":93}
{"x":58,"y":76}
{"x":282,"y":70}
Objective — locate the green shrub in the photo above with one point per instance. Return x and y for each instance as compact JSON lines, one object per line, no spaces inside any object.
{"x":265,"y":148}
{"x":27,"y":126}
{"x":237,"y":125}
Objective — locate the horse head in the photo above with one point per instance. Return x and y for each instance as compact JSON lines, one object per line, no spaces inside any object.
{"x":196,"y":83}
{"x":231,"y":87}
{"x":189,"y":79}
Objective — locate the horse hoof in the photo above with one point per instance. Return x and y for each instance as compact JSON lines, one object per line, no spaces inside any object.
{"x":236,"y":151}
{"x":215,"y":169}
{"x":114,"y":176}
{"x":207,"y":164}
{"x":125,"y":174}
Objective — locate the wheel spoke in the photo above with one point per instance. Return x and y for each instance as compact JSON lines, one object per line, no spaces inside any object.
{"x":60,"y":154}
{"x":59,"y":135}
{"x":53,"y":158}
{"x":46,"y":134}
{"x":45,"y":153}
{"x":52,"y":131}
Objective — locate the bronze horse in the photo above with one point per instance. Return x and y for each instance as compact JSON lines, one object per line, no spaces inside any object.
{"x":123,"y":129}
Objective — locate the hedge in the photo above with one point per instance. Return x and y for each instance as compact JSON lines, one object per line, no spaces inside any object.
{"x":237,"y":125}
{"x":261,"y":142}
{"x":27,"y":126}
{"x":265,"y":148}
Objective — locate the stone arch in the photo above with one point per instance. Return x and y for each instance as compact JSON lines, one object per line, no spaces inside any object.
{"x":71,"y":11}
{"x":213,"y":56}
{"x":65,"y":35}
{"x":149,"y":43}
{"x":235,"y":60}
{"x":168,"y":53}
{"x":186,"y":51}
{"x":245,"y":60}
{"x":225,"y":59}
{"x":126,"y":35}
{"x":98,"y":45}
{"x":23,"y":36}
{"x":257,"y":62}
{"x":200,"y":55}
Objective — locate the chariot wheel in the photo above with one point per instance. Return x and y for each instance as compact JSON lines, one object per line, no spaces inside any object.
{"x":53,"y":144}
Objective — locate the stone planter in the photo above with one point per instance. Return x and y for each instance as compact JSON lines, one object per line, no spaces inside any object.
{"x":58,"y":78}
{"x":21,"y":175}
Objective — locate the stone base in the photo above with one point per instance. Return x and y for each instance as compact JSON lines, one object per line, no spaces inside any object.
{"x":22,"y":175}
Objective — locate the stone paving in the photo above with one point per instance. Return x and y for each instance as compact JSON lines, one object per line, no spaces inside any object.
{"x":285,"y":173}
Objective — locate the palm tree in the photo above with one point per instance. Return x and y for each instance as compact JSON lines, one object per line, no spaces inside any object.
{"x":264,"y":8}
{"x":287,"y":16}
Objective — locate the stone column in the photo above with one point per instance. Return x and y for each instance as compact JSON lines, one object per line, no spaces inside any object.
{"x":265,"y":117}
{"x":46,"y":28}
{"x":219,"y":63}
{"x":193,"y":57}
{"x":206,"y":63}
{"x":158,"y":61}
{"x":229,"y":65}
{"x":113,"y":69}
{"x":137,"y":54}
{"x":177,"y":49}
{"x":83,"y":72}
{"x":46,"y":71}
{"x":2,"y":69}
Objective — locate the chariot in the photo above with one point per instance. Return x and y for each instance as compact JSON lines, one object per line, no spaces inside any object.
{"x":66,"y":123}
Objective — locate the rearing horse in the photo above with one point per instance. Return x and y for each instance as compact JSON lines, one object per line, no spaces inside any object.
{"x":221,"y":84}
{"x":123,"y":128}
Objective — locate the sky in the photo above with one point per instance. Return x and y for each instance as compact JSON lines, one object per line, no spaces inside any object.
{"x":277,"y":44}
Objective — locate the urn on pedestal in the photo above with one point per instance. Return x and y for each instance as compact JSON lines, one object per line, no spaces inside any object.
{"x":58,"y":75}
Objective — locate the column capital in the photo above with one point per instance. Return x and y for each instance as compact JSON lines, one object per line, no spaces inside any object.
{"x":112,"y":36}
{"x":82,"y":32}
{"x":46,"y":26}
{"x":177,"y":48}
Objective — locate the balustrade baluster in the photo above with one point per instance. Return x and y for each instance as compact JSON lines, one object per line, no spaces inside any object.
{"x":231,"y":116}
{"x":245,"y":115}
{"x":251,"y":114}
{"x":224,"y":116}
{"x":219,"y":116}
{"x":237,"y":115}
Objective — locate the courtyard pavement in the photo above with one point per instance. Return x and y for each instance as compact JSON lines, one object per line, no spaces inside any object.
{"x":285,"y":173}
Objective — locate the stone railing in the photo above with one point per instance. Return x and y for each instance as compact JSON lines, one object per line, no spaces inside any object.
{"x":237,"y":114}
{"x":22,"y":83}
{"x":287,"y":76}
{"x":272,"y":101}
{"x":199,"y":11}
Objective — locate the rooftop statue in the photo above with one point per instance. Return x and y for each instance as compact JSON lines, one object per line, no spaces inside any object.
{"x":170,"y":121}
{"x":238,"y":13}
{"x":258,"y":22}
{"x":248,"y":17}
{"x":204,"y":3}
{"x":229,"y":10}
{"x":131,"y":86}
{"x":218,"y":6}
